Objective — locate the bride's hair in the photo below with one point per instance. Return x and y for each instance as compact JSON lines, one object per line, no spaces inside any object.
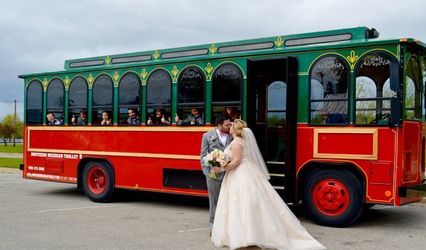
{"x":239,"y":126}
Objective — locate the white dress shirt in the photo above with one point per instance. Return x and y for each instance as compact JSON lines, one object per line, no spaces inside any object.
{"x":223,"y":137}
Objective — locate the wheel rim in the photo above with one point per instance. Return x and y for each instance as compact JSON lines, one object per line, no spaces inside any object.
{"x":331,"y":197}
{"x":97,"y":180}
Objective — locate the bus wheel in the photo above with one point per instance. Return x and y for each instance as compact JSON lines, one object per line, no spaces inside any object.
{"x":98,"y":181}
{"x":333,"y":197}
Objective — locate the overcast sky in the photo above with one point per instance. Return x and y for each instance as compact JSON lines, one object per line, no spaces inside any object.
{"x":39,"y":35}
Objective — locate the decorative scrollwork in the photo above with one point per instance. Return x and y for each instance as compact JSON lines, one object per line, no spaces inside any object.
{"x":45,"y":84}
{"x":279,"y":42}
{"x":375,"y":61}
{"x":144,"y":74}
{"x":107,"y":60}
{"x":213,"y":49}
{"x":156,"y":55}
{"x":116,"y":76}
{"x":90,"y":79}
{"x":175,"y":72}
{"x":209,"y":70}
{"x":352,"y":58}
{"x":66,"y":82}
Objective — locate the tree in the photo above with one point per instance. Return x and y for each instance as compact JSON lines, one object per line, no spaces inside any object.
{"x":6,"y":132}
{"x":9,"y":127}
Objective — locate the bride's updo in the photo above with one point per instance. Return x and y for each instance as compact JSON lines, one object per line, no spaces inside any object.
{"x":239,"y":126}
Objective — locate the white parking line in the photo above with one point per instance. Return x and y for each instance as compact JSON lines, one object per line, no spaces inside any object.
{"x":77,"y":208}
{"x":194,"y":230}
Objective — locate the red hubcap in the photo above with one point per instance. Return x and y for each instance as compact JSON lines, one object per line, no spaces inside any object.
{"x":97,"y":180}
{"x":331,"y":197}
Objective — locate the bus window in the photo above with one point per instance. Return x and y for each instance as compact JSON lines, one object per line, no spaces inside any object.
{"x":413,"y":95}
{"x":190,"y":97}
{"x":102,"y":98}
{"x":129,"y":99}
{"x":158,"y":98}
{"x":277,"y":106}
{"x":226,"y":91}
{"x":372,"y":90}
{"x":55,"y":99}
{"x":329,"y":91}
{"x":77,"y":102}
{"x":34,"y":110}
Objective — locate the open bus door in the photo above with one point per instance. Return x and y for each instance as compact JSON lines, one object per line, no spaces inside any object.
{"x":272,"y":115}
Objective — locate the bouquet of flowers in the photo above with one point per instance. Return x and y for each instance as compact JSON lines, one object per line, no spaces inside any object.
{"x":214,"y":159}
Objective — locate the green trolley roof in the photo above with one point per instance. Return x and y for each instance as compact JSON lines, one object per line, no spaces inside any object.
{"x":270,"y":45}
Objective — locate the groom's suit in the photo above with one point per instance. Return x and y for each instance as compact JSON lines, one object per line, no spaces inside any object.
{"x":210,"y":142}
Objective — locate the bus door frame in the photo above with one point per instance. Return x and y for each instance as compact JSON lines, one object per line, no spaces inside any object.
{"x":290,"y":77}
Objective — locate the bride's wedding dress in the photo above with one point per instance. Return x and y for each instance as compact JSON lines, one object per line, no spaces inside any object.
{"x":250,"y":211}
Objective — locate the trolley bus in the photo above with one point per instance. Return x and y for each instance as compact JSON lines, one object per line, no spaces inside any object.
{"x":339,"y":116}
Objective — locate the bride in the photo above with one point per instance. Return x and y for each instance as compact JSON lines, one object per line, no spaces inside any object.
{"x":249,"y":211}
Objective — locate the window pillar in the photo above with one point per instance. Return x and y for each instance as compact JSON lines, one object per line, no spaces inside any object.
{"x":89,"y":104}
{"x":208,"y":102}
{"x":66,"y":107}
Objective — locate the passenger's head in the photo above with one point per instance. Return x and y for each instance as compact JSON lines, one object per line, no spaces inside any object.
{"x":105,"y":115}
{"x":132,"y":112}
{"x":230,"y":110}
{"x":237,"y":127}
{"x":195,"y":112}
{"x":223,"y":123}
{"x":158,"y":112}
{"x":83,"y":115}
{"x":50,"y":117}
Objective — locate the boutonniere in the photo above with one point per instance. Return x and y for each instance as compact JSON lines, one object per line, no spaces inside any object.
{"x":213,"y":138}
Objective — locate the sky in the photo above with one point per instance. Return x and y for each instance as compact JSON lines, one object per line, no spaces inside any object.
{"x":39,"y":35}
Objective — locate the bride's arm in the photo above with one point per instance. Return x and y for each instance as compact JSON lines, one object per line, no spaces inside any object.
{"x":237,"y":153}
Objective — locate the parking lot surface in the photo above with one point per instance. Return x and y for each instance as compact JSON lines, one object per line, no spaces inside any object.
{"x":47,"y":215}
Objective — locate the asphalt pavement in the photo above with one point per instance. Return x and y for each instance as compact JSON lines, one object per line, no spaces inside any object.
{"x":47,"y":215}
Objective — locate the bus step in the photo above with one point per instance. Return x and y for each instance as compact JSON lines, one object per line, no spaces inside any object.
{"x":276,"y":162}
{"x":277,"y":175}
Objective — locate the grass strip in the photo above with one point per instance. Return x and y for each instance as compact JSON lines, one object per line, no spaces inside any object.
{"x":10,"y":162}
{"x":10,"y":148}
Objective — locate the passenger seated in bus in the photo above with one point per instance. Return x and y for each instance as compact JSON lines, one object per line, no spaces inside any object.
{"x":133,"y":117}
{"x":158,"y":118}
{"x":195,"y":118}
{"x":81,"y":120}
{"x":51,"y":119}
{"x":106,"y":118}
{"x":232,"y":113}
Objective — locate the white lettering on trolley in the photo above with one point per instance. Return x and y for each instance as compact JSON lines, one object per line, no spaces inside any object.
{"x":36,"y":154}
{"x":53,"y":155}
{"x":52,"y":177}
{"x":56,"y":155}
{"x":69,"y":156}
{"x":36,"y":168}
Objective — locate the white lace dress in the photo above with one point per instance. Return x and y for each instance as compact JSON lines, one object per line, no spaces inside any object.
{"x":250,"y":212}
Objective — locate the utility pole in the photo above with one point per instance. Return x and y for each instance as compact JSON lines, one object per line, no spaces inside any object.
{"x":14,"y":124}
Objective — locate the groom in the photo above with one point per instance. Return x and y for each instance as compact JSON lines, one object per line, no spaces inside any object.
{"x":217,"y":138}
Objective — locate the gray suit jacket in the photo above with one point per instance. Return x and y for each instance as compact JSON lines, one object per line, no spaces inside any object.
{"x":210,"y":142}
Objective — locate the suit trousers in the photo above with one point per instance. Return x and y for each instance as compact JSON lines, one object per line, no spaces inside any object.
{"x":213,"y":187}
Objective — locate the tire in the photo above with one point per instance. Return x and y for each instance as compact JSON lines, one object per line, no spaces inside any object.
{"x":333,"y":197}
{"x":98,"y":181}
